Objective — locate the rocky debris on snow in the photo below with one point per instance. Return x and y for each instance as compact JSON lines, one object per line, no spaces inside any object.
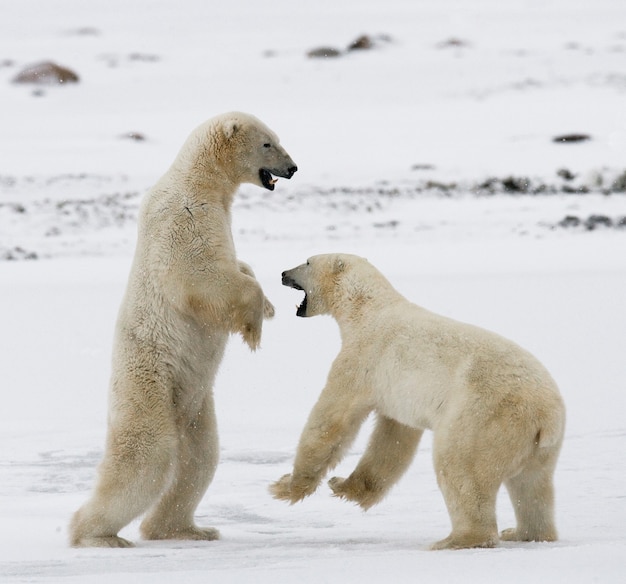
{"x":46,"y":73}
{"x":510,"y":185}
{"x":440,"y":187}
{"x":69,"y":214}
{"x":363,"y":42}
{"x":17,"y":253}
{"x":47,"y":216}
{"x":513,"y":184}
{"x":592,"y":222}
{"x":571,"y":183}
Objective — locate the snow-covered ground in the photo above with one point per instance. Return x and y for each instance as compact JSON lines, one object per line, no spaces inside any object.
{"x":431,"y":154}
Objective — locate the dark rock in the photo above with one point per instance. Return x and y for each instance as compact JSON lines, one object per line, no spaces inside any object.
{"x":513,"y":184}
{"x":387,"y":224}
{"x":46,"y":73}
{"x":575,"y":190}
{"x":619,"y":184}
{"x":571,"y":138}
{"x":364,"y":42}
{"x":323,"y":53}
{"x":136,"y":136}
{"x":570,"y":221}
{"x":565,"y":174}
{"x":440,"y":186}
{"x":453,"y":43}
{"x":594,"y":221}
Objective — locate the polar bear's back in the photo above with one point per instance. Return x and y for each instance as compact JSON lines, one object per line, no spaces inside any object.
{"x":423,"y":363}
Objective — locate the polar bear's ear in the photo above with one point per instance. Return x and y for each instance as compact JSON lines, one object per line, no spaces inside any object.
{"x":231,"y":127}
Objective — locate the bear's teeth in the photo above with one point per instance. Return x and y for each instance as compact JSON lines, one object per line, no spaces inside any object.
{"x":273,"y":181}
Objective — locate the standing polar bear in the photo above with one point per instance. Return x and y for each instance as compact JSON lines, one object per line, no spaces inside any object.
{"x":186,"y":292}
{"x":495,"y":412}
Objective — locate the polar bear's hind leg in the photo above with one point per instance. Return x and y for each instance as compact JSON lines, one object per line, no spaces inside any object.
{"x":532,"y":496}
{"x":195,"y":464}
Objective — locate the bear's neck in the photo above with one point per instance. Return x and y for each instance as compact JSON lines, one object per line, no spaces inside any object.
{"x":205,"y":183}
{"x":354,"y":309}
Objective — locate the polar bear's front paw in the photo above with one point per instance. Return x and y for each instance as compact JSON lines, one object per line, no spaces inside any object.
{"x":281,"y":489}
{"x":292,"y":490}
{"x":268,"y":309}
{"x":251,"y":335}
{"x":336,"y":485}
{"x":360,"y":492}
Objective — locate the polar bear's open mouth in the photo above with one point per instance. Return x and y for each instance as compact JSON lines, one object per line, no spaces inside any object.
{"x":267,"y":179}
{"x":301,"y":310}
{"x":289,"y":281}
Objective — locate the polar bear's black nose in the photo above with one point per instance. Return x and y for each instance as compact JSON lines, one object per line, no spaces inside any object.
{"x":289,"y":281}
{"x":291,"y":171}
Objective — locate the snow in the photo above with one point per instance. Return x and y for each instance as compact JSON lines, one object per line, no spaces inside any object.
{"x":395,"y":146}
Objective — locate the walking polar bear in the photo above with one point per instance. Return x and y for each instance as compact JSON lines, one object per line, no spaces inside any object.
{"x":186,"y":292}
{"x":495,"y":412}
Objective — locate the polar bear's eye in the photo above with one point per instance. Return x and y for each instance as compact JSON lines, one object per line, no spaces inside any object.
{"x":267,"y":145}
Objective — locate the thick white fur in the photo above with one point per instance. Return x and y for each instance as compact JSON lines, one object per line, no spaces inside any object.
{"x":496,"y":414}
{"x":186,"y":293}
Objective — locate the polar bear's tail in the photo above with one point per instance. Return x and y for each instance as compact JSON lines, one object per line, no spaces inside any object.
{"x":552,"y":426}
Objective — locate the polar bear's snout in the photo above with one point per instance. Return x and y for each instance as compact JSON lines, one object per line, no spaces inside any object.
{"x":289,"y":280}
{"x":290,"y":172}
{"x":267,"y":175}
